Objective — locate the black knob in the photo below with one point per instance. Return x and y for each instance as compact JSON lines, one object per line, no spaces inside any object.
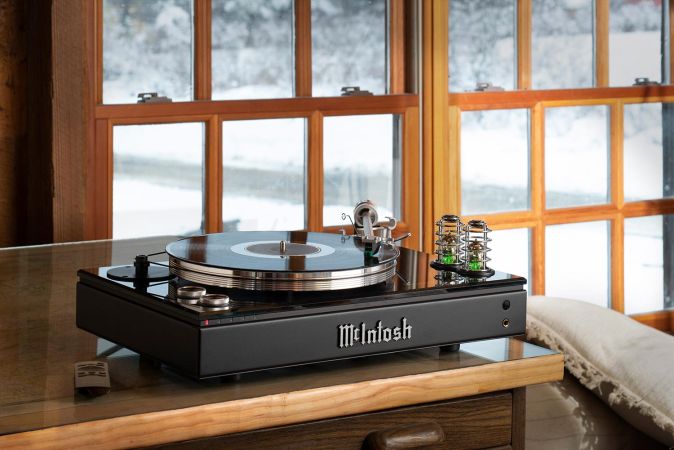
{"x":506,"y":304}
{"x":142,"y":265}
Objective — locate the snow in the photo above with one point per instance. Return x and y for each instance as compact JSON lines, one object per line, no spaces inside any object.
{"x":146,"y":209}
{"x":348,"y":39}
{"x":634,"y":55}
{"x":147,"y":47}
{"x":481,"y":44}
{"x":252,"y":49}
{"x":264,"y":144}
{"x":179,"y":142}
{"x":510,"y":252}
{"x":494,"y":153}
{"x":577,"y":261}
{"x":360,"y":150}
{"x":644,"y":288}
{"x":643,"y":152}
{"x":576,"y":155}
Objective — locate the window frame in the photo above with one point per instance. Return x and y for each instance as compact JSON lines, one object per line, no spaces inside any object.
{"x":445,"y":166}
{"x":399,"y":100}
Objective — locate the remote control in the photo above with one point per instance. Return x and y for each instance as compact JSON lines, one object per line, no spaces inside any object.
{"x":92,"y":378}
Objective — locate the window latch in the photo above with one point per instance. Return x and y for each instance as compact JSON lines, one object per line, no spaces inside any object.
{"x":644,"y":81}
{"x":152,"y":97}
{"x":354,"y":91}
{"x":486,"y":86}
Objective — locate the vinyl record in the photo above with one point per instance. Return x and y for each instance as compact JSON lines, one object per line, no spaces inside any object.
{"x":280,"y":260}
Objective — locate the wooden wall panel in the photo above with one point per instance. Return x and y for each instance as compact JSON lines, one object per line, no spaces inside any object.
{"x":12,"y":114}
{"x":73,"y":100}
{"x":36,"y":178}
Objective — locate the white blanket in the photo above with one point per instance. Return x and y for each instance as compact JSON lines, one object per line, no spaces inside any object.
{"x":629,"y":365}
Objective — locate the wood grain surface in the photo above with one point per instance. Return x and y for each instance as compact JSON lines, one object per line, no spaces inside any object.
{"x":12,"y":114}
{"x":476,"y":422}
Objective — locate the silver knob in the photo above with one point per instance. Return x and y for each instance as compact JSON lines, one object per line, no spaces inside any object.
{"x":214,"y":300}
{"x":190,"y":292}
{"x":189,"y":295}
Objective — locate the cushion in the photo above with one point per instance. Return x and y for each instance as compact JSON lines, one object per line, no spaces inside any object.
{"x":630,"y":366}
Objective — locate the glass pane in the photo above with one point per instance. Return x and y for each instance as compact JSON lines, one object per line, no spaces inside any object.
{"x":510,"y":251}
{"x":157,"y":182}
{"x":263,"y":174}
{"x":361,"y":161}
{"x":576,"y":156}
{"x":494,"y":161}
{"x":562,"y":55}
{"x":481,"y":44}
{"x":252,"y":49}
{"x":644,"y":152}
{"x":348,"y":39}
{"x":646,"y":288}
{"x":635,"y":41}
{"x":147,"y":47}
{"x":577,"y":261}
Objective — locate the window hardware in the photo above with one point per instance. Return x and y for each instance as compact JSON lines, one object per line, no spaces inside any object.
{"x":644,"y":81}
{"x":152,"y":97}
{"x":487,"y":87}
{"x":348,"y":91}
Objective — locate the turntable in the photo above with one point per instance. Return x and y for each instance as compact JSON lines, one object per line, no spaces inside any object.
{"x":237,"y":302}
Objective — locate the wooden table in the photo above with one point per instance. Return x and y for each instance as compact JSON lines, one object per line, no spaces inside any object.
{"x":331,"y":405}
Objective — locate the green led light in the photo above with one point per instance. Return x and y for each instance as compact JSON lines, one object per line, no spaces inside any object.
{"x":474,"y":265}
{"x":448,"y":258}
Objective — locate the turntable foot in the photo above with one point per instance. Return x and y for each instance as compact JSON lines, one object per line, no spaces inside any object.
{"x":147,"y":361}
{"x":230,"y":378}
{"x":450,"y":348}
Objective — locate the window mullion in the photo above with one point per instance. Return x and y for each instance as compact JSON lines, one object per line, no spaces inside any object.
{"x":315,"y":174}
{"x":213,"y":176}
{"x":202,"y":49}
{"x":396,"y":46}
{"x":601,"y":39}
{"x":524,"y":17}
{"x":302,"y":36}
{"x":98,"y":51}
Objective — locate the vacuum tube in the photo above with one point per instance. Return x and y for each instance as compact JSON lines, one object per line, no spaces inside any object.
{"x":475,"y":241}
{"x":448,"y":243}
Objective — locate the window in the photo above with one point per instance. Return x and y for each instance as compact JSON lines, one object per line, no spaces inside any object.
{"x":241,"y":144}
{"x":348,"y":45}
{"x":147,"y":47}
{"x":252,"y":45}
{"x":494,"y":161}
{"x":643,"y":152}
{"x":562,"y":53}
{"x":576,"y":156}
{"x":555,"y":158}
{"x":361,"y":161}
{"x":635,"y":41}
{"x":481,"y":44}
{"x":510,"y":251}
{"x":577,"y":261}
{"x":647,"y":256}
{"x":158,"y":180}
{"x":263,"y":174}
{"x":575,"y":178}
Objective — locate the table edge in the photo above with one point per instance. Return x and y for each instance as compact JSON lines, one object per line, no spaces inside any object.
{"x":160,"y":427}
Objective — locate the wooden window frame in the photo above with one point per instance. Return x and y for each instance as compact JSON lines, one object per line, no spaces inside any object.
{"x":98,"y":212}
{"x":443,"y":173}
